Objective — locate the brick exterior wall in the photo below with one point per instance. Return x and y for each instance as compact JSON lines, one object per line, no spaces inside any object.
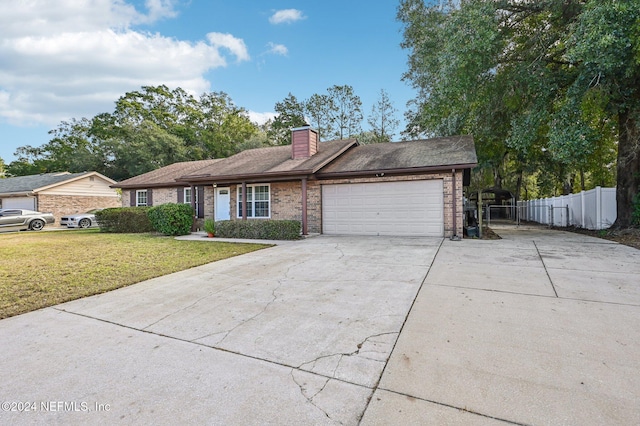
{"x":61,"y":205}
{"x":286,"y":199}
{"x":286,"y":203}
{"x":164,"y":195}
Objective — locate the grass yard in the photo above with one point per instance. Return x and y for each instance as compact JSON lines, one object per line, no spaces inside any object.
{"x":39,"y":269}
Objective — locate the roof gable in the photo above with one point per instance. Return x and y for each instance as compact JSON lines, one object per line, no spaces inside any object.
{"x":270,"y":161}
{"x":35,"y":183}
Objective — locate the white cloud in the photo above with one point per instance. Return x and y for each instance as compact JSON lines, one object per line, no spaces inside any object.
{"x":286,"y":16}
{"x":74,"y":58}
{"x":261,"y":117}
{"x":159,"y":9}
{"x":235,"y":45}
{"x":277,"y":49}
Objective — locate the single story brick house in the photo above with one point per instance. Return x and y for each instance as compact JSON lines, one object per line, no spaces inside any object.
{"x":411,"y":188}
{"x":61,"y":193}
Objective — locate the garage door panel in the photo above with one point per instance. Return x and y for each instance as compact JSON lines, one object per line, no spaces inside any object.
{"x":384,"y":208}
{"x":28,"y":203}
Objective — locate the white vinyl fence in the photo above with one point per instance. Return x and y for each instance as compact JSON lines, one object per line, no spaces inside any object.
{"x":593,"y":209}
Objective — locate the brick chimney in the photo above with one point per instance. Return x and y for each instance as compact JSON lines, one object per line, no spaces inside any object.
{"x":304,"y":142}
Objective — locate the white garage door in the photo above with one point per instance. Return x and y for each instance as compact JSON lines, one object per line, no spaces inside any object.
{"x":412,"y":208}
{"x":26,"y":203}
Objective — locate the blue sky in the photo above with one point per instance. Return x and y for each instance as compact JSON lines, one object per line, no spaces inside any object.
{"x":73,"y":58}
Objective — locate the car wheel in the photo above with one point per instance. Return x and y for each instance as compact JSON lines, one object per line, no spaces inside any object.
{"x":84,"y":223}
{"x":36,"y":225}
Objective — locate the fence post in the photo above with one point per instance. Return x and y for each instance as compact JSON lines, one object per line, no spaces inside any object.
{"x":480,"y":214}
{"x":582,"y":206}
{"x":598,"y":207}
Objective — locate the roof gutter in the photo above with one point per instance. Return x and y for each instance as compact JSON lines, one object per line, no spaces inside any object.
{"x":151,"y":185}
{"x":18,"y":194}
{"x":399,"y":171}
{"x":258,"y":177}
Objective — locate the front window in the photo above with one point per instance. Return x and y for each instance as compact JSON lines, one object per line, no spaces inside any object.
{"x":187,"y":195}
{"x":141,"y":197}
{"x":258,"y":201}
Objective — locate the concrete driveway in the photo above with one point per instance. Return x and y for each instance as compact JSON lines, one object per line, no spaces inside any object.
{"x":541,"y":327}
{"x":294,"y":334}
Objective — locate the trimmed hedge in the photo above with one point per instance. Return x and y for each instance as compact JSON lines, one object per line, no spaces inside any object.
{"x":259,"y":229}
{"x":124,"y":220}
{"x":172,"y":219}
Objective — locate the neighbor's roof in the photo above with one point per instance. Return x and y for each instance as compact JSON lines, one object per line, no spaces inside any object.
{"x":401,"y":157}
{"x":165,"y":176}
{"x":270,"y":162}
{"x":31,"y":183}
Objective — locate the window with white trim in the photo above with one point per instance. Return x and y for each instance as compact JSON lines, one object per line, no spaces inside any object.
{"x":258,"y":201}
{"x":141,"y":197}
{"x":187,"y":195}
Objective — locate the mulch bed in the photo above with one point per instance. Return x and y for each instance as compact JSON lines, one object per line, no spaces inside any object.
{"x":629,"y":237}
{"x":487,"y":234}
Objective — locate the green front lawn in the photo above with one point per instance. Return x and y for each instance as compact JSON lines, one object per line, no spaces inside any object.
{"x":39,"y":269}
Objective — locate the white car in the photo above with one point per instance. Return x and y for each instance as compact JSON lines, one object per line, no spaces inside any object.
{"x":80,"y":220}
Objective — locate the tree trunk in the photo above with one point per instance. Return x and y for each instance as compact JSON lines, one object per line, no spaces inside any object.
{"x":497,"y":178}
{"x":628,"y":168}
{"x":518,"y":185}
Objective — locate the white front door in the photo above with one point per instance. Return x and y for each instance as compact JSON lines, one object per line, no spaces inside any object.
{"x":223,"y":204}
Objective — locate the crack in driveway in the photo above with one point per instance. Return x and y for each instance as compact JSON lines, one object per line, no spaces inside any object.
{"x":274,"y":297}
{"x":341,"y":355}
{"x":194,"y":303}
{"x":360,"y":349}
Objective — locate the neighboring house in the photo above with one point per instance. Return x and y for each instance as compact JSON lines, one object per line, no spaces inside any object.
{"x":160,"y":186}
{"x":59,"y":193}
{"x":411,"y":188}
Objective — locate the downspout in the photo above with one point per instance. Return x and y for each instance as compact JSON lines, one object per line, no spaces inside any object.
{"x":244,"y":200}
{"x":304,"y":206}
{"x":455,"y":236}
{"x":193,"y":206}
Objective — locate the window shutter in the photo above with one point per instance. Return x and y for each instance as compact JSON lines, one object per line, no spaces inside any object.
{"x":200,"y":206}
{"x":132,"y":201}
{"x":180,"y":195}
{"x":149,"y":197}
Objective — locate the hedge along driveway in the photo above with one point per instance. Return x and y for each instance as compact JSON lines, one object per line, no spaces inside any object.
{"x":43,"y":269}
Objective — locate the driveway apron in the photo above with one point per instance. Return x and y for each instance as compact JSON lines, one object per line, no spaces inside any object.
{"x":294,"y":334}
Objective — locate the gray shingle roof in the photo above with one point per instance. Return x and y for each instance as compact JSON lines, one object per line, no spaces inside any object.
{"x":338,"y":157}
{"x":165,"y":176}
{"x":29,"y":183}
{"x":270,"y":161}
{"x":421,"y":154}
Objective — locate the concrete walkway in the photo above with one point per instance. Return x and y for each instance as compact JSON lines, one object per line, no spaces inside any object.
{"x":541,"y":327}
